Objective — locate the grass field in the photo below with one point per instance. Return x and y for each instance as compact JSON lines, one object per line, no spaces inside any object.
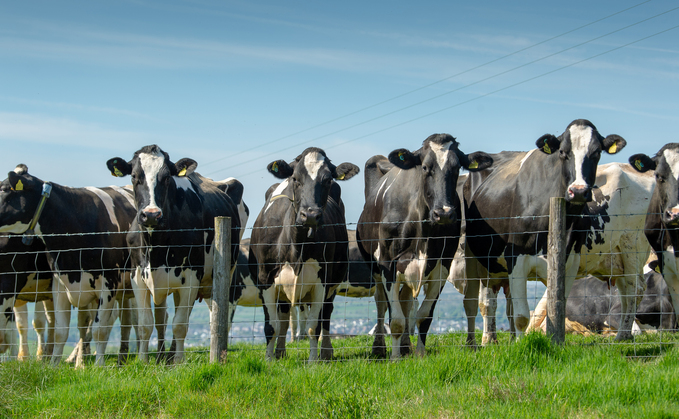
{"x":586,"y":377}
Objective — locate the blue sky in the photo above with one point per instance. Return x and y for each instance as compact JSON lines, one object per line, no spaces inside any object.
{"x":236,"y":85}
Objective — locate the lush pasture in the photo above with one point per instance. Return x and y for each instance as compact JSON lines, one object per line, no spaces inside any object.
{"x":587,"y":377}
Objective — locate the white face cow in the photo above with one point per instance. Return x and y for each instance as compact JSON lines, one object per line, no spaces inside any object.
{"x":152,"y":171}
{"x":580,"y":148}
{"x":666,"y":166}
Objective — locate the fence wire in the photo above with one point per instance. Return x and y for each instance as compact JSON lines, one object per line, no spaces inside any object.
{"x":593,"y":310}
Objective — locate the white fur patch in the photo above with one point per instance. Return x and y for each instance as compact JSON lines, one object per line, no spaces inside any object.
{"x":16,"y":228}
{"x":523,"y":160}
{"x":279,"y":190}
{"x":151,"y":164}
{"x":108,"y":203}
{"x":184,"y":183}
{"x":127,"y":193}
{"x":581,"y":138}
{"x":442,"y":152}
{"x":672,"y":159}
{"x":313,"y":163}
{"x":296,"y":287}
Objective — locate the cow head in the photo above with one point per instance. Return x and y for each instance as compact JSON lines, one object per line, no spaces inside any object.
{"x":439,"y":162}
{"x":20,"y":195}
{"x":153,"y":177}
{"x":666,"y":166}
{"x":579,"y":149}
{"x":311,"y":176}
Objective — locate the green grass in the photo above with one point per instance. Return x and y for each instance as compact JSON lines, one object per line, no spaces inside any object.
{"x":586,"y":377}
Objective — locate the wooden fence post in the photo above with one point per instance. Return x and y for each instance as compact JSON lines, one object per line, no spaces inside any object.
{"x":221,"y":284}
{"x":556,"y":271}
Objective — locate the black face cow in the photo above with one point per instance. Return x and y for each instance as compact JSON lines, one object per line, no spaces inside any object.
{"x":662,"y":219}
{"x":410,"y":227}
{"x":298,"y":248}
{"x":506,"y":207}
{"x":83,"y":230}
{"x":172,"y":235}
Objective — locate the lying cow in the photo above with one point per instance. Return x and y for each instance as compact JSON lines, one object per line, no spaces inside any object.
{"x":298,"y":247}
{"x":171,"y":239}
{"x":594,"y":306}
{"x":409,"y":230}
{"x":83,"y":230}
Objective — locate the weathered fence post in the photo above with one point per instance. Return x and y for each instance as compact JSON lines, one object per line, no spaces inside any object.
{"x":221,"y":283}
{"x":556,"y":270}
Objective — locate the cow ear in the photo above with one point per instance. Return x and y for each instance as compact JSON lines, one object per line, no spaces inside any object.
{"x":642,"y":163}
{"x":477,"y":161}
{"x":280,"y":169}
{"x":185,"y":167}
{"x":404,"y":159}
{"x":613,"y":143}
{"x":119,"y":167}
{"x":548,"y":143}
{"x":346,"y":171}
{"x":17,"y":182}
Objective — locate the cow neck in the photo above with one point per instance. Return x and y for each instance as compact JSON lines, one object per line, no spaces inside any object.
{"x":27,"y":238}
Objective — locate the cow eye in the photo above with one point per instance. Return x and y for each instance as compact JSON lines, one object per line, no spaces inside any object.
{"x":563,"y":154}
{"x":660,"y":179}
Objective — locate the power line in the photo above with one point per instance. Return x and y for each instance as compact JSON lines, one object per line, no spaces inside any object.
{"x":446,"y":93}
{"x":489,"y":93}
{"x":426,"y":86}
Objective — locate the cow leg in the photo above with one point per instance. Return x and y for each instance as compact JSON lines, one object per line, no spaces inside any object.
{"x":671,"y":275}
{"x":271,"y":329}
{"x":284,"y":316}
{"x":62,"y":319}
{"x":471,"y":309}
{"x":539,"y":314}
{"x":161,"y":319}
{"x":327,"y":351}
{"x":21,"y":318}
{"x":126,"y":321}
{"x":425,"y":314}
{"x":517,"y":285}
{"x":397,"y":322}
{"x":144,"y":312}
{"x":48,"y":305}
{"x":294,"y":323}
{"x":182,"y":312}
{"x":85,"y":332}
{"x":379,"y":348}
{"x":41,"y":327}
{"x":488,"y":308}
{"x":103,"y":321}
{"x":315,"y":308}
{"x":510,"y":311}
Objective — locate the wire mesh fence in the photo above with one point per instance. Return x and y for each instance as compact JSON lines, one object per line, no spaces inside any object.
{"x":593,"y":309}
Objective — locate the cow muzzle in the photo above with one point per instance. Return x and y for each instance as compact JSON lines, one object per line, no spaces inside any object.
{"x":150,"y":217}
{"x":579,"y":194}
{"x":444,"y":215}
{"x":672,"y":217}
{"x":310,"y":217}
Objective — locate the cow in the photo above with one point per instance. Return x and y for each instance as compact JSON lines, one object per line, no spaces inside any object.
{"x":613,"y":247}
{"x":594,"y":306}
{"x":661,"y":226}
{"x":409,"y":230}
{"x":83,"y":231}
{"x":507,"y":208}
{"x":171,"y":239}
{"x":298,"y":247}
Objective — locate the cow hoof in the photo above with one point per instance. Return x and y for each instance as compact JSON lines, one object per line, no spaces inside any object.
{"x":327,"y":354}
{"x":280,"y":353}
{"x":623,"y":336}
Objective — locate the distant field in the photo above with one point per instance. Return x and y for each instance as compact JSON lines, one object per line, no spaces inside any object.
{"x":587,"y":377}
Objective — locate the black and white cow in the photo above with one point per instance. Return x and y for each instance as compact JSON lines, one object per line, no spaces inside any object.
{"x":83,"y":230}
{"x":594,"y":306}
{"x":507,"y":207}
{"x":662,"y":219}
{"x":172,"y":234}
{"x":298,"y":247}
{"x":25,"y":276}
{"x":614,"y":249}
{"x":410,"y":227}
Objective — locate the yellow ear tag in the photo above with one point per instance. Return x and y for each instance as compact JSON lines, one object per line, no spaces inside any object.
{"x":274,"y":167}
{"x":182,"y":172}
{"x":117,"y":172}
{"x":20,"y":186}
{"x":474,"y":165}
{"x":613,"y":149}
{"x":657,"y":268}
{"x":546,"y":148}
{"x":341,"y":177}
{"x":401,"y":156}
